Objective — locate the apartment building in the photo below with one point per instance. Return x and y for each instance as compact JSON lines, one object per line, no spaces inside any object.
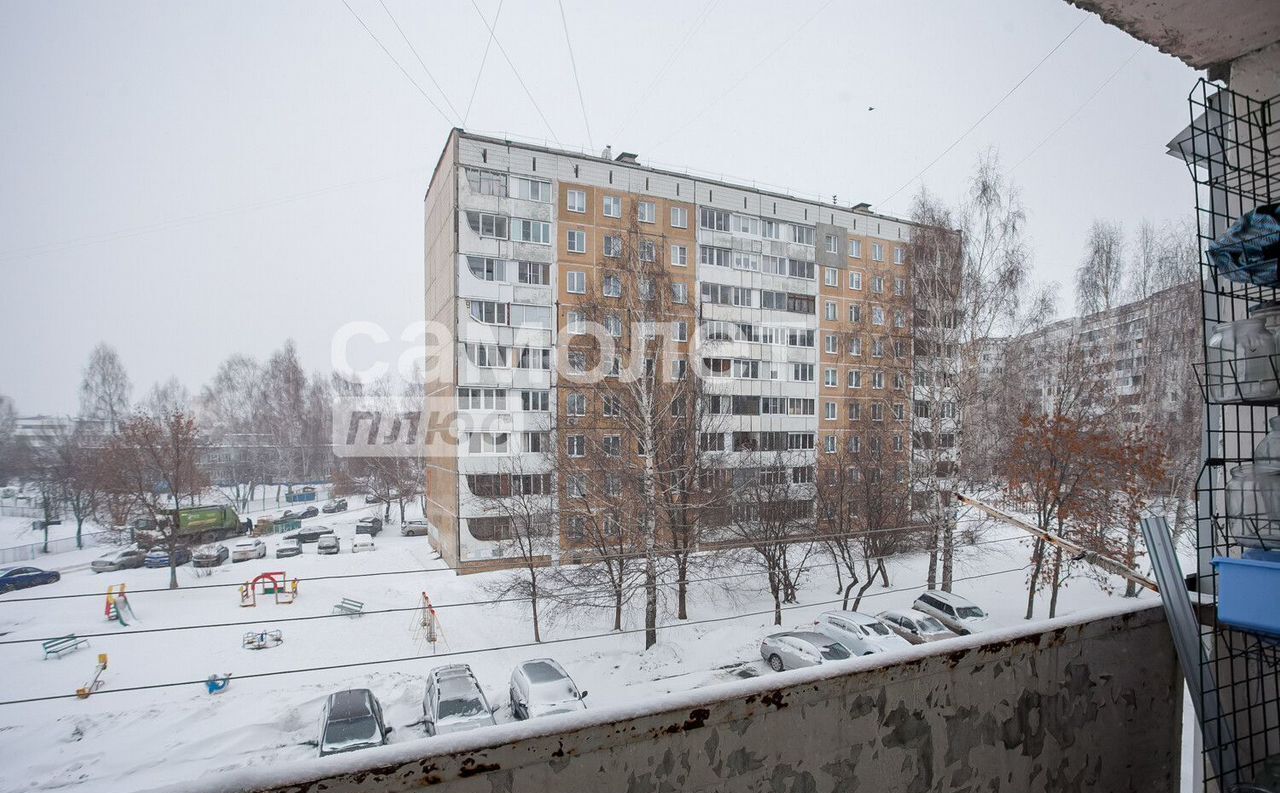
{"x":797,"y":314}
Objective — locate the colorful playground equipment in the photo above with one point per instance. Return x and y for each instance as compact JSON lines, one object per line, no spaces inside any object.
{"x":428,"y":628}
{"x":118,"y":605}
{"x":218,"y":683}
{"x":273,"y":583}
{"x":262,"y":639}
{"x":96,"y":683}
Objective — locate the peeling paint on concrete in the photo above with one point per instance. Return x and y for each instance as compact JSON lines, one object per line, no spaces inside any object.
{"x":1088,"y":707}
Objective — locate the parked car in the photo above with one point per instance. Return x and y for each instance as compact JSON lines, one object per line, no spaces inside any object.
{"x":915,"y":626}
{"x":12,"y":578}
{"x":245,"y":550}
{"x":351,"y":720}
{"x":337,"y":505}
{"x":957,"y":613}
{"x":210,"y":556}
{"x":453,"y":701}
{"x":370,"y":526}
{"x":362,"y":542}
{"x":801,"y":648}
{"x":159,"y":557}
{"x":308,"y":512}
{"x":415,"y":528}
{"x":288,"y":548}
{"x":541,"y":687}
{"x":329,"y":544}
{"x":309,"y":534}
{"x":372,"y":499}
{"x":861,"y":634}
{"x":118,"y":560}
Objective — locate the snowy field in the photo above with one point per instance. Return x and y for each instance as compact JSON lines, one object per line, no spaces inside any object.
{"x":137,"y":740}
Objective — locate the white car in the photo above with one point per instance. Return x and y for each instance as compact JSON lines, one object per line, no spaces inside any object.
{"x":541,"y":687}
{"x":861,"y":634}
{"x":362,"y":542}
{"x":453,"y":701}
{"x":798,"y":649}
{"x":915,"y":626}
{"x":957,"y":613}
{"x":245,"y":550}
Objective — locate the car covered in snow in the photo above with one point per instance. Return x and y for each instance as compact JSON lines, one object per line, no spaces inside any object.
{"x":12,"y":578}
{"x":370,"y":526}
{"x":915,"y":626}
{"x":309,"y":534}
{"x":337,"y":505}
{"x":351,"y":720}
{"x":245,"y":550}
{"x":362,"y":542}
{"x":118,"y":560}
{"x":801,"y":648}
{"x":329,"y":544}
{"x":959,"y":614}
{"x":541,"y":687}
{"x":288,"y":548}
{"x":453,"y":701}
{"x":210,"y":556}
{"x":159,"y":557}
{"x":861,"y":634}
{"x":308,"y":512}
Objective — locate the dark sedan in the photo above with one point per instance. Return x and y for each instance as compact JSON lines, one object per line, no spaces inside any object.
{"x":309,"y":512}
{"x":12,"y":578}
{"x":339,"y":505}
{"x":159,"y":557}
{"x":370,"y":526}
{"x":309,"y":534}
{"x":210,"y":557}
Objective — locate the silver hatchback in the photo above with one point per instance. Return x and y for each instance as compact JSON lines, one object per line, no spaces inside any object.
{"x":453,"y":701}
{"x":541,"y":687}
{"x":798,"y":649}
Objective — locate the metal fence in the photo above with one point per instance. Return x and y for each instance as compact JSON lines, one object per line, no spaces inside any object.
{"x":13,"y":511}
{"x":33,"y":551}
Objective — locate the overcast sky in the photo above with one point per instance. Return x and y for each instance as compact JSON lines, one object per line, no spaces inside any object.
{"x":189,"y":180}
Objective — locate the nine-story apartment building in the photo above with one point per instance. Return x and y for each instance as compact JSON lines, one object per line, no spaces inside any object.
{"x":796,"y":314}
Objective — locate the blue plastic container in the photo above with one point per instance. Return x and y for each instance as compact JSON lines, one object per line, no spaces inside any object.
{"x":1249,"y":592}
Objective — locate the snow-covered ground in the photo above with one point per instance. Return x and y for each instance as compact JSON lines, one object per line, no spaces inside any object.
{"x":131,"y":740}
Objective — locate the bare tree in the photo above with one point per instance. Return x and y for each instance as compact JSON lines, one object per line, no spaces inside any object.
{"x":72,"y":459}
{"x":158,"y":458}
{"x":105,"y":389}
{"x":168,"y":397}
{"x":969,"y":268}
{"x":227,"y":409}
{"x":1100,"y":277}
{"x":8,"y":443}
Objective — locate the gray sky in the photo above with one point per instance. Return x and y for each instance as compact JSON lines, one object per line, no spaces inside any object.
{"x":189,"y":180}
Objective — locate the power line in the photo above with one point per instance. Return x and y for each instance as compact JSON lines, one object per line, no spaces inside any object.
{"x":414,"y":50}
{"x":483,"y":650}
{"x":574,"y":63}
{"x":483,"y":59}
{"x":514,"y":70}
{"x":729,"y":92}
{"x":671,"y":57}
{"x":1082,"y":106}
{"x":630,"y":589}
{"x":406,"y":74}
{"x":983,"y":117}
{"x":712,"y":547}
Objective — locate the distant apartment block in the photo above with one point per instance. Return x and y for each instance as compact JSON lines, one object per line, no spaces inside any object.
{"x":519,"y":235}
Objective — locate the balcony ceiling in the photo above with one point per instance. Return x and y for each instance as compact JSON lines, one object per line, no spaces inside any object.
{"x":1200,"y":33}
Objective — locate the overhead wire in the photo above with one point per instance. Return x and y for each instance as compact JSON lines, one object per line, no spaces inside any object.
{"x":514,"y":70}
{"x":414,"y":50}
{"x":403,"y":71}
{"x":483,"y":59}
{"x":499,"y":648}
{"x":630,"y":588}
{"x":568,"y":42}
{"x":984,"y":116}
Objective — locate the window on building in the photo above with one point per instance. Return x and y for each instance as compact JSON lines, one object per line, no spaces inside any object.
{"x":855,"y":280}
{"x":899,"y":286}
{"x":535,"y":231}
{"x":855,"y":248}
{"x":831,"y":310}
{"x":855,"y":411}
{"x":613,"y":325}
{"x":576,"y":241}
{"x":877,"y":348}
{"x":535,"y":401}
{"x":680,"y":292}
{"x":612,"y":246}
{"x":713,"y":219}
{"x":482,"y":399}
{"x":899,"y":413}
{"x":877,"y":315}
{"x":486,"y":269}
{"x":877,"y":380}
{"x":833,"y":344}
{"x":576,"y":445}
{"x":530,"y":189}
{"x":576,"y":484}
{"x":899,"y":318}
{"x":612,"y":286}
{"x":647,"y":212}
{"x":899,"y":255}
{"x":803,"y":235}
{"x":877,"y":411}
{"x":488,"y":356}
{"x":719,"y":257}
{"x":829,"y":377}
{"x":855,"y":378}
{"x":576,"y":200}
{"x":679,"y":217}
{"x":829,"y":409}
{"x":576,"y":404}
{"x":680,"y":255}
{"x":830,"y":276}
{"x":832,"y":244}
{"x":611,"y":406}
{"x":855,"y":313}
{"x":487,"y":442}
{"x":877,"y":285}
{"x":831,"y":444}
{"x":576,"y":282}
{"x":648,"y":251}
{"x":611,"y":445}
{"x":877,"y":252}
{"x":486,"y":182}
{"x":488,"y":225}
{"x":612,"y":206}
{"x":538,"y":273}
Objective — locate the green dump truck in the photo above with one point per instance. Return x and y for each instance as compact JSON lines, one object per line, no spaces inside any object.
{"x":208,"y":524}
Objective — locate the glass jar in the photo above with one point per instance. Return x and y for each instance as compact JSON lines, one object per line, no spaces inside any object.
{"x":1244,"y":361}
{"x":1253,"y":505}
{"x":1266,"y":455}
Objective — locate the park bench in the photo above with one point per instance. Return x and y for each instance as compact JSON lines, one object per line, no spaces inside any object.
{"x":61,"y":645}
{"x":352,"y":608}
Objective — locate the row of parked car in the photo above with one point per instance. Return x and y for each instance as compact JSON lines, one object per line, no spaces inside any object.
{"x":453,"y":702}
{"x":837,"y":635}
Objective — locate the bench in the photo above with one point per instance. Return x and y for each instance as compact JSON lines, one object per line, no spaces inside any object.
{"x":61,"y":645}
{"x":352,"y":608}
